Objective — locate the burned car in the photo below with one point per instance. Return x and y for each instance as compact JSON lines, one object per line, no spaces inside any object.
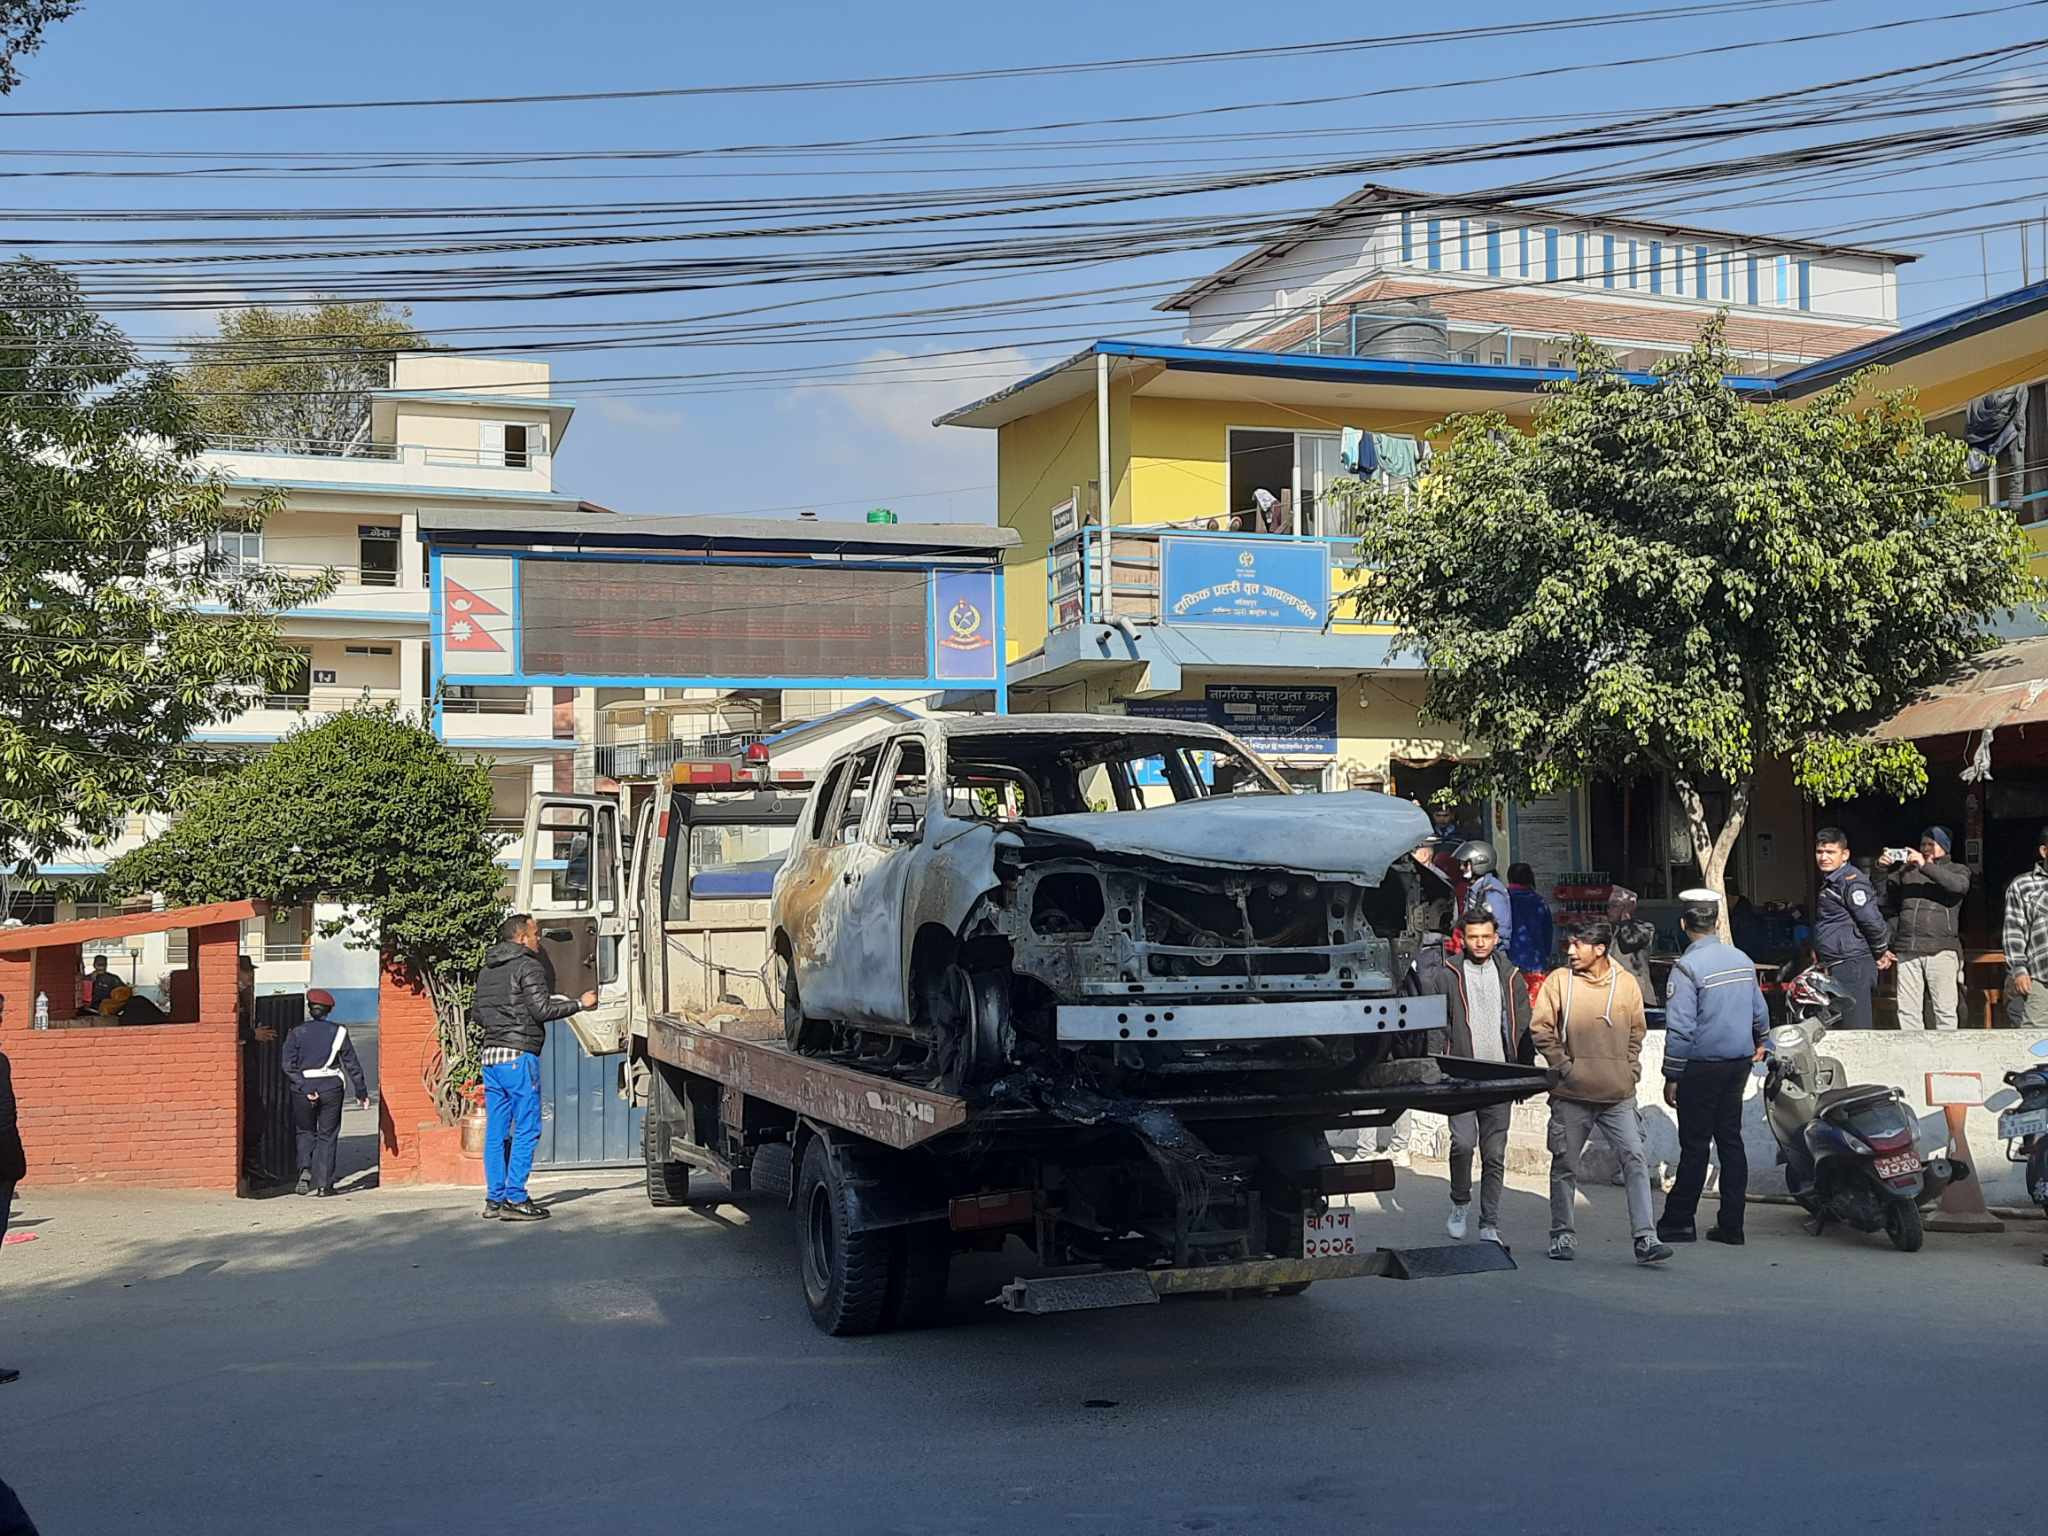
{"x":973,"y":900}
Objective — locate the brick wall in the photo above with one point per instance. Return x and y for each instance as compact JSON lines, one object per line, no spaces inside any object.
{"x":414,"y":1147}
{"x":155,"y":1106}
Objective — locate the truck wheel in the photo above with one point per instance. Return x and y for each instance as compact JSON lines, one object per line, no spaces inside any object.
{"x":846,"y":1274}
{"x":668,"y":1184}
{"x":917,"y":1288}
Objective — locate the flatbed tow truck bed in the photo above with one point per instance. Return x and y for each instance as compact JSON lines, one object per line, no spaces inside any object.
{"x":745,"y":1056}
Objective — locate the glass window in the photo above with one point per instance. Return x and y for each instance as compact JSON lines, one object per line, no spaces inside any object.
{"x":903,"y":820}
{"x":1699,"y":269}
{"x":1806,"y":285}
{"x":1493,"y":250}
{"x":1407,"y":239}
{"x":854,"y":802}
{"x":1753,"y":299}
{"x":1550,"y":258}
{"x":821,"y":808}
{"x":1678,"y":270}
{"x":1464,"y":245}
{"x":1656,"y":266}
{"x":1607,"y":260}
{"x":1319,"y":462}
{"x":1436,"y":245}
{"x":237,"y":548}
{"x":1633,"y":257}
{"x":1783,"y":268}
{"x":1579,"y":268}
{"x":296,"y":692}
{"x":1727,"y":278}
{"x":1525,"y":252}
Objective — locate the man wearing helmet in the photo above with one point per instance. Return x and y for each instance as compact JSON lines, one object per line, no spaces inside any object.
{"x":1484,"y":886}
{"x":317,"y":1054}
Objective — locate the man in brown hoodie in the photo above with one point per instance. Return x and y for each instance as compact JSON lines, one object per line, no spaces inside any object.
{"x":1588,"y":1024}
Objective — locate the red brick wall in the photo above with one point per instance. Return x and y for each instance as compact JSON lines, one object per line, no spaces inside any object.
{"x":414,"y":1147}
{"x":154,"y":1106}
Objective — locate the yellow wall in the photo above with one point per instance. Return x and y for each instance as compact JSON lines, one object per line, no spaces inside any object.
{"x":1039,"y":461}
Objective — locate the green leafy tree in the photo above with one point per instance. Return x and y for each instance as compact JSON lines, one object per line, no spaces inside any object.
{"x":1669,"y":578}
{"x":107,"y":557}
{"x":364,"y":808}
{"x":298,"y":379}
{"x":21,"y":32}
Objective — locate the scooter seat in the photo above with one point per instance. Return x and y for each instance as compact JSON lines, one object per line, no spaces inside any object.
{"x":1844,"y":1098}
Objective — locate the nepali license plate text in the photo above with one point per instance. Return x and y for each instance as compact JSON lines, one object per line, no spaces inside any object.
{"x":1330,"y":1235}
{"x":1898,"y":1166}
{"x":2023,"y":1122}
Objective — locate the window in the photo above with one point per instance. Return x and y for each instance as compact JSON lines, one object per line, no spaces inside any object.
{"x":1407,"y":240}
{"x":297,"y":690}
{"x":1699,"y":269}
{"x":821,"y":811}
{"x":1782,"y":267}
{"x":238,"y":550}
{"x":1678,"y":270}
{"x":1550,"y":255}
{"x":909,"y":788}
{"x":509,"y":444}
{"x":1633,"y":280}
{"x":1753,"y":299}
{"x":847,"y":828}
{"x":1497,"y":358}
{"x":1656,"y":266}
{"x":377,"y":547}
{"x":1296,"y":467}
{"x":1436,"y":245}
{"x":1493,"y":250}
{"x":1579,"y":268}
{"x":1527,"y":360}
{"x":1525,"y":252}
{"x":1607,"y":260}
{"x":1805,"y":285}
{"x":368,"y":650}
{"x":1464,"y":245}
{"x":1727,"y":278}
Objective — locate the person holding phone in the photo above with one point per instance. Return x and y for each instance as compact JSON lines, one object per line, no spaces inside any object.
{"x":1924,"y":890}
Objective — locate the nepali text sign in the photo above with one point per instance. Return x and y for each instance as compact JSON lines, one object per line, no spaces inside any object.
{"x":1248,"y":583}
{"x":1278,"y":722}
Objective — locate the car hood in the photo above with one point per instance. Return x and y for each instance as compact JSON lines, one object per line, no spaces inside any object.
{"x":1353,"y":834}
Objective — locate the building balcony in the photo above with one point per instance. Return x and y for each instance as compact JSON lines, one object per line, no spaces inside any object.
{"x":628,"y":760}
{"x":383,"y":465}
{"x":1168,"y":574}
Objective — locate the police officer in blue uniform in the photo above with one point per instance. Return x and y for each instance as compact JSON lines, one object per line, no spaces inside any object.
{"x":1850,"y":935}
{"x":317,"y":1054}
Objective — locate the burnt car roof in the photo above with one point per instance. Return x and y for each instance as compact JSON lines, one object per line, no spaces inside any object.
{"x":957,"y":727}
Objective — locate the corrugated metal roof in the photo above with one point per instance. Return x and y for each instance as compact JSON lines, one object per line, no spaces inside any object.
{"x":595,"y":528}
{"x":2006,"y":686}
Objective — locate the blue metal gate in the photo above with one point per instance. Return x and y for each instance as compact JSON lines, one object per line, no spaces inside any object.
{"x":583,"y":1121}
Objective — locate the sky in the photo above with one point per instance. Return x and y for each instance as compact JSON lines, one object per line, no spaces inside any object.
{"x":853,"y":431}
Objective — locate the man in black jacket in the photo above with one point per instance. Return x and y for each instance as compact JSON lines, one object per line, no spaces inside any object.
{"x":1923,"y":895}
{"x":1487,"y":1003}
{"x":513,"y":1007}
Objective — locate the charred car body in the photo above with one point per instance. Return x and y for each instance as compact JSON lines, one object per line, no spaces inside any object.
{"x":1096,"y":984}
{"x":1062,"y":893}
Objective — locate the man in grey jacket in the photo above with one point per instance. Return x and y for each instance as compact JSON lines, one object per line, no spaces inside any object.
{"x":1923,"y":895}
{"x":1715,"y":1024}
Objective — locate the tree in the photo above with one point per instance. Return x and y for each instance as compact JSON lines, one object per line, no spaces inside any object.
{"x":1670,"y":578}
{"x":107,"y":555}
{"x":298,"y":379}
{"x":367,"y":809}
{"x":21,"y":32}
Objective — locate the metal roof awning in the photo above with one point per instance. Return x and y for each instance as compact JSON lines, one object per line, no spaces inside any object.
{"x":32,"y":936}
{"x":2005,"y":686}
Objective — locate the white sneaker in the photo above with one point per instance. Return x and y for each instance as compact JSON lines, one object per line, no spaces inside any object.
{"x":1460,"y":1214}
{"x":1491,"y":1235}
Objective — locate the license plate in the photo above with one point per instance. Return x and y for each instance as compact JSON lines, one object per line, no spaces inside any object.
{"x":1330,"y":1235}
{"x":1897,"y":1167}
{"x":2023,"y":1122}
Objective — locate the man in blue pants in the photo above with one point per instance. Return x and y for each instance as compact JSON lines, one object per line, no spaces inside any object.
{"x":514,"y":1006}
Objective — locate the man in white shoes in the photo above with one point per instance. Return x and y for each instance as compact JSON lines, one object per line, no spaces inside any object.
{"x":1487,"y":1003}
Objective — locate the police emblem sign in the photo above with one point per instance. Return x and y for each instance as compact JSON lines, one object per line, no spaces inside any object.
{"x":965,"y":606}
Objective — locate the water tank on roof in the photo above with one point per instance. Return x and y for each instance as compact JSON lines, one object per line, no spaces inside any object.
{"x":1395,"y":330}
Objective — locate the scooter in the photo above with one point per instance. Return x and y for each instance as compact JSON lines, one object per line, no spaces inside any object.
{"x":2027,"y":1123}
{"x":1851,"y":1151}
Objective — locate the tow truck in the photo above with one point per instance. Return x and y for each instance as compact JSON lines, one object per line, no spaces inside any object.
{"x":1132,"y":1171}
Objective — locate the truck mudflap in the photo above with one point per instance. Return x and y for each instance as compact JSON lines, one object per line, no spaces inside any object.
{"x":1144,"y":1287}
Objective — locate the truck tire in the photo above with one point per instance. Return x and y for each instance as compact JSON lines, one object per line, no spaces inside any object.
{"x":668,"y":1184}
{"x":847,"y":1275}
{"x":917,"y":1288}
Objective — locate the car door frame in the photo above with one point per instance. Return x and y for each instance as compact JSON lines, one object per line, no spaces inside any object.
{"x":879,"y":877}
{"x":581,"y":932}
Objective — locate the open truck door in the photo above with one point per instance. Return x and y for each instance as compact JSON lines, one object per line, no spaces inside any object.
{"x":572,"y":878}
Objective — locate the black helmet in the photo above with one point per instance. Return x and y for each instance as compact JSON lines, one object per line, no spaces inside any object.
{"x":1478,"y":855}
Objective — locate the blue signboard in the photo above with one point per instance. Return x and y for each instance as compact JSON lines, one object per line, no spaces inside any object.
{"x":1277,"y":722}
{"x":1248,"y":583}
{"x":965,"y":605}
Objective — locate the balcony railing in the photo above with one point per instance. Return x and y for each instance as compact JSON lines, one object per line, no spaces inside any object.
{"x":1153,"y":573}
{"x":282,"y":954}
{"x":346,"y":575}
{"x":506,"y":705}
{"x":300,"y":447}
{"x":652,"y":759}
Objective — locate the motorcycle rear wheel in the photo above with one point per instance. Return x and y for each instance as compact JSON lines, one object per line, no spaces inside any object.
{"x":1902,"y":1226}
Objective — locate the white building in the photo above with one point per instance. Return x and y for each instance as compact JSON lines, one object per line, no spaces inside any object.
{"x":1515,"y":283}
{"x":480,"y":432}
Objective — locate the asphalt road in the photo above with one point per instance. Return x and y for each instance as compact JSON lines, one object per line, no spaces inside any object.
{"x":388,"y":1362}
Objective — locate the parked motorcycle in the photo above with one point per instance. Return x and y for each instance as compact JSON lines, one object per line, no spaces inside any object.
{"x":1851,"y":1151}
{"x":2027,"y":1123}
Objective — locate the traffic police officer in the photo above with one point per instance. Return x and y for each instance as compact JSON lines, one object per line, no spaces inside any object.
{"x":1849,"y":933}
{"x":316,"y":1055}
